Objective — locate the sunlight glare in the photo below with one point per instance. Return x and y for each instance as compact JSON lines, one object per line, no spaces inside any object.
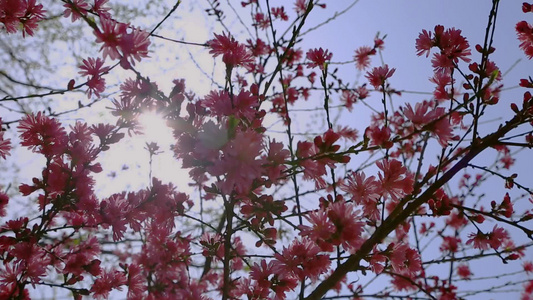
{"x":165,"y":167}
{"x":155,"y":129}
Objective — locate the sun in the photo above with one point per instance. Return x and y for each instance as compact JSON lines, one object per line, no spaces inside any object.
{"x":164,"y":165}
{"x":129,"y":165}
{"x":155,"y":129}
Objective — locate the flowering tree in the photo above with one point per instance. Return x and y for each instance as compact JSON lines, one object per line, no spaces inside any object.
{"x":399,"y":216}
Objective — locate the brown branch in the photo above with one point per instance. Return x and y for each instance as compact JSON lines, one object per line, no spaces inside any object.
{"x":401,"y":214}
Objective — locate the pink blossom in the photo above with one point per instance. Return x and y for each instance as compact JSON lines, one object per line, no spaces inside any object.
{"x":114,"y":210}
{"x":379,"y":136}
{"x":100,"y":9}
{"x":362,"y":57}
{"x":349,"y":226}
{"x":441,"y":62}
{"x":524,"y":31}
{"x":136,"y":282}
{"x":42,"y":134}
{"x":312,"y":169}
{"x":377,"y":261}
{"x":17,"y":13}
{"x":4,"y":199}
{"x":301,"y":260}
{"x":443,"y":130}
{"x":9,"y":284}
{"x":275,"y":159}
{"x":260,"y":48}
{"x":106,"y":133}
{"x":320,"y":231}
{"x":261,"y":21}
{"x":528,"y":267}
{"x":5,"y":144}
{"x":420,"y":115}
{"x":246,"y":3}
{"x":76,"y":9}
{"x":32,"y":260}
{"x":110,"y":34}
{"x":242,"y":105}
{"x":318,"y":58}
{"x":279,"y":13}
{"x":528,"y":291}
{"x":240,"y":162}
{"x":261,"y":272}
{"x":492,"y":239}
{"x":426,"y":113}
{"x":450,"y":244}
{"x":348,"y":98}
{"x":464,"y":271}
{"x":233,"y":53}
{"x":424,"y":43}
{"x":121,"y":42}
{"x":83,"y":256}
{"x":441,"y":79}
{"x":405,"y":260}
{"x":249,"y":288}
{"x":93,"y":67}
{"x":400,"y":283}
{"x":395,"y":181}
{"x":300,"y":7}
{"x":527,"y":7}
{"x":134,"y":46}
{"x":280,"y":283}
{"x":364,"y":191}
{"x":10,"y":13}
{"x":452,"y":45}
{"x":378,"y":75}
{"x":109,"y":280}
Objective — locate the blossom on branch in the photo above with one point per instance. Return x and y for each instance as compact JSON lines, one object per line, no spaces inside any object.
{"x":394,"y":180}
{"x":120,"y":41}
{"x":5,"y":144}
{"x":451,"y":44}
{"x":42,"y":134}
{"x":494,"y":239}
{"x":76,"y":9}
{"x":318,"y":58}
{"x":524,"y":31}
{"x":94,"y":69}
{"x":21,"y":13}
{"x":233,"y":53}
{"x":378,"y":75}
{"x":301,"y":260}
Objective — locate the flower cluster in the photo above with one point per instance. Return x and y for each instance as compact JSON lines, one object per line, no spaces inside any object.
{"x":233,"y":53}
{"x":15,"y":14}
{"x":94,"y":69}
{"x":318,"y":58}
{"x":270,"y":218}
{"x":5,"y":144}
{"x":378,"y":75}
{"x":122,"y":42}
{"x":451,"y":44}
{"x":363,"y":54}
